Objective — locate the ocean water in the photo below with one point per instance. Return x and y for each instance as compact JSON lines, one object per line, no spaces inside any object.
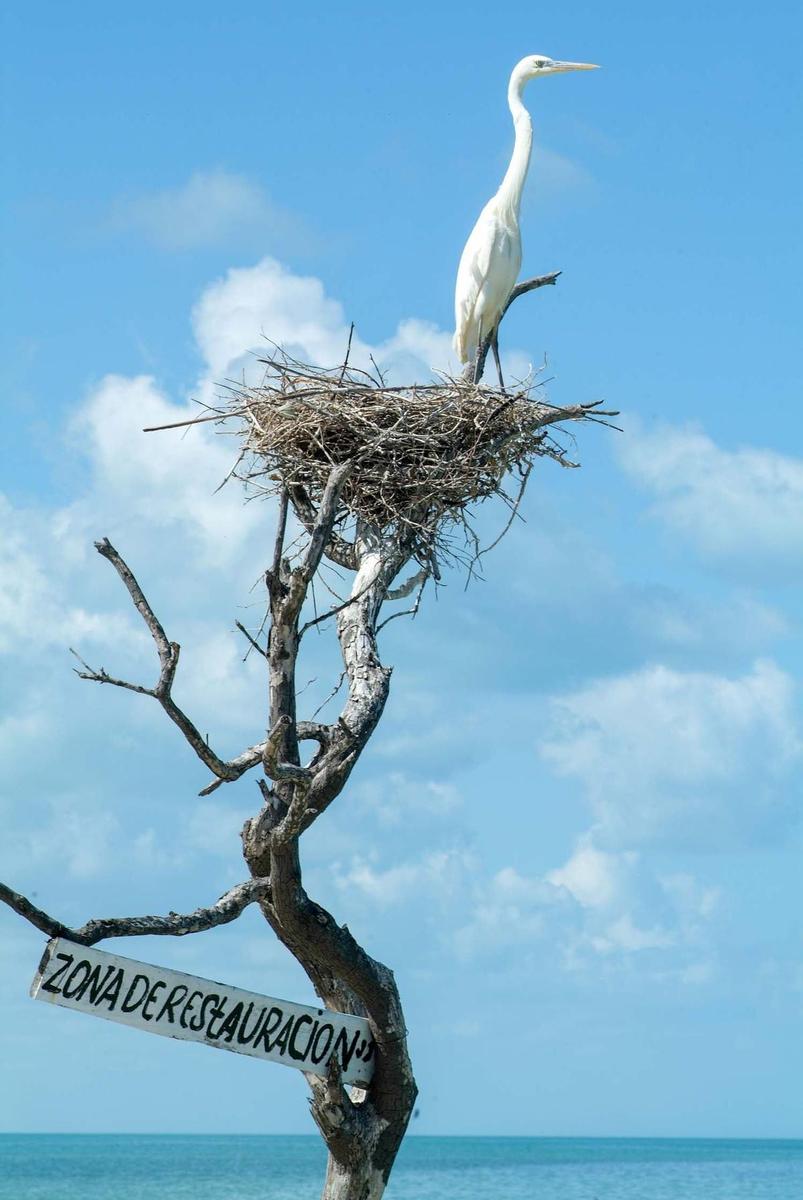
{"x":168,"y":1167}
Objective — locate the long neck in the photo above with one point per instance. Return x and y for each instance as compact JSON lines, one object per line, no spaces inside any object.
{"x":512,"y":185}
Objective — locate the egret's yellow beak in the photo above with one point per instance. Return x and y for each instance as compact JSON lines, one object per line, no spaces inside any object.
{"x":567,"y":66}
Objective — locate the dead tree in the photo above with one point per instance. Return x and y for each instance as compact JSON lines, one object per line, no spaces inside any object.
{"x":380,"y":481}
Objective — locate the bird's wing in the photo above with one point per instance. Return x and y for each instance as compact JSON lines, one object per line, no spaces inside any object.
{"x":475,"y":264}
{"x":487,"y":272}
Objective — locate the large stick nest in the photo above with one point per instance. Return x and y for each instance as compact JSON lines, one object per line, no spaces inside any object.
{"x":422,"y":455}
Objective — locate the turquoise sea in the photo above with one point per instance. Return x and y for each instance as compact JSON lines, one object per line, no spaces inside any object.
{"x":168,"y":1167}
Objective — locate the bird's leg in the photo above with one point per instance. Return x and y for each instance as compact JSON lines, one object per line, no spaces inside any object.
{"x":477,"y":362}
{"x":495,"y":348}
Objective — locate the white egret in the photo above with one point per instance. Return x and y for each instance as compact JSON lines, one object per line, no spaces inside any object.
{"x":489,"y":265}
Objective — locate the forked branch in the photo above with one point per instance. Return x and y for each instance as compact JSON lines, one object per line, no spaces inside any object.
{"x":225,"y":772}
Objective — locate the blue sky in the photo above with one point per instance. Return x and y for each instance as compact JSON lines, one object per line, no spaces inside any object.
{"x":577,"y":838}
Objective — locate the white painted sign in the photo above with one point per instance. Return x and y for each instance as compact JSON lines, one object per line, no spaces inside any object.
{"x":182,"y":1006}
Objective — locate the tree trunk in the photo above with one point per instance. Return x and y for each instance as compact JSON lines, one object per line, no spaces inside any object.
{"x":359,"y":1166}
{"x":360,"y":1179}
{"x":363,"y":1130}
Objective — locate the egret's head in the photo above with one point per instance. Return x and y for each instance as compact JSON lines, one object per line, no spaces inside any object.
{"x":541,"y":64}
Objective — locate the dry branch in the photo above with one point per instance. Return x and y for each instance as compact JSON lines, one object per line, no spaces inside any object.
{"x":521,"y":289}
{"x":226,"y":909}
{"x":225,"y":772}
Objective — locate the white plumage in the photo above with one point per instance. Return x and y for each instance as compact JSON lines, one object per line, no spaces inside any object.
{"x":491,"y":259}
{"x":489,"y":268}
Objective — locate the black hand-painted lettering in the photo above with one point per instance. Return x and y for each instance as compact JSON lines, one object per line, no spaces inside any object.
{"x":345,"y":1048}
{"x":318,"y":1052}
{"x":93,"y":983}
{"x":232,"y":1021}
{"x":210,"y":1001}
{"x":132,"y":1002}
{"x":111,"y":993}
{"x":300,"y":1055}
{"x":188,"y":1008}
{"x":48,"y":985}
{"x":169,"y":1006}
{"x":243,"y":1036}
{"x":255,"y":1026}
{"x":218,"y":1014}
{"x":147,"y":1015}
{"x":67,"y":988}
{"x":284,"y":1033}
{"x":271,"y":1023}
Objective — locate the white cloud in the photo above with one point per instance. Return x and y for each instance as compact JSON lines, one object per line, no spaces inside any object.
{"x":33,"y":569}
{"x":236,"y":314}
{"x":165,"y":480}
{"x":438,"y":873}
{"x":700,"y":623}
{"x":591,"y":875}
{"x":211,"y":208}
{"x":513,"y":909}
{"x":739,"y":508}
{"x":214,"y":680}
{"x":624,"y":935}
{"x":597,"y":904}
{"x":396,"y":798}
{"x":679,"y":758}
